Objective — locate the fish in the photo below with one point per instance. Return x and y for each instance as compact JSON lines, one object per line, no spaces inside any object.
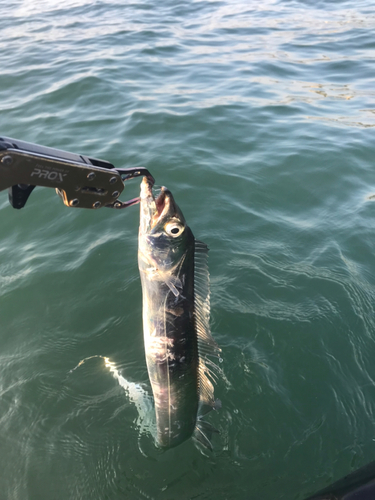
{"x":176,"y":314}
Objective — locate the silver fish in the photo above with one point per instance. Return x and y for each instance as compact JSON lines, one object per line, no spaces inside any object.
{"x":176,"y":313}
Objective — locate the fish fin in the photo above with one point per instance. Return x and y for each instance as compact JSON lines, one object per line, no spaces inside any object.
{"x":207,"y":346}
{"x":203,"y":433}
{"x":202,"y":300}
{"x":204,"y":408}
{"x":173,"y":283}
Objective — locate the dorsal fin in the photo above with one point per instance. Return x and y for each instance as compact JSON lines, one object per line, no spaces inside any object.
{"x":206,"y":344}
{"x":203,"y":433}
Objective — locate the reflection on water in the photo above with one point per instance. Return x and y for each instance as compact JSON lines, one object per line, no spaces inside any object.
{"x":260,"y":117}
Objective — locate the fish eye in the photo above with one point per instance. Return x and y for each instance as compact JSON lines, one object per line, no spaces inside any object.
{"x":174,"y":229}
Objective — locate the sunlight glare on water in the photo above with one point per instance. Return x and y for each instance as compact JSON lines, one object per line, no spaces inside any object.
{"x":258,"y":117}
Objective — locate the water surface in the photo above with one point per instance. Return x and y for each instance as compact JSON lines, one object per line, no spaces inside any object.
{"x":259,"y":117}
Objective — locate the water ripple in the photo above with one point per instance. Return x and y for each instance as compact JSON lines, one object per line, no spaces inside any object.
{"x":258,"y":117}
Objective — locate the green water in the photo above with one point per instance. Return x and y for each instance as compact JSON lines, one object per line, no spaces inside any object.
{"x":259,"y":116}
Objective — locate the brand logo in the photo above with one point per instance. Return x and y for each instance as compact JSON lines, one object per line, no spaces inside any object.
{"x":48,"y":174}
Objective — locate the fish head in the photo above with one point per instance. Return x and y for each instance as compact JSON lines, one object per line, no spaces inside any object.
{"x":163,"y":232}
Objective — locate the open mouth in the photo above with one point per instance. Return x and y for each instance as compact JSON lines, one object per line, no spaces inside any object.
{"x":159,"y":204}
{"x":162,"y":204}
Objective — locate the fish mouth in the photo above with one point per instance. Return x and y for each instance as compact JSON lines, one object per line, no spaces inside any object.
{"x":157,"y":208}
{"x":161,"y":202}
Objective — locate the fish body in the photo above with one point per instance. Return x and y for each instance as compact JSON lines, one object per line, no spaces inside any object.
{"x":174,"y":277}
